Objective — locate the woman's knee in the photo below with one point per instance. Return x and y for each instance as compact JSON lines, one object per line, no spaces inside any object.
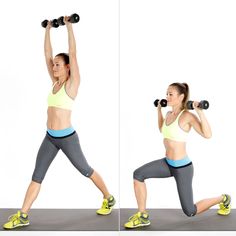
{"x":37,"y":177}
{"x":190,"y":211}
{"x":138,"y":175}
{"x":86,"y":171}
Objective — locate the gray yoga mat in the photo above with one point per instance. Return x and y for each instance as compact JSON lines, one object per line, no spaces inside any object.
{"x":175,"y":220}
{"x":65,"y":220}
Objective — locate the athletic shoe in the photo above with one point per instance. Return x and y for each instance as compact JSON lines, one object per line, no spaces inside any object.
{"x":17,"y":220}
{"x":138,"y":220}
{"x":225,"y":205}
{"x":107,"y":206}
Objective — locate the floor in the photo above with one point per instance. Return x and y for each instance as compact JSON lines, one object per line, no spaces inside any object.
{"x":66,"y":220}
{"x":87,"y":222}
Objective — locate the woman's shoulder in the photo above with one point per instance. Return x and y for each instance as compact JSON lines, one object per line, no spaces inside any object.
{"x":187,"y":115}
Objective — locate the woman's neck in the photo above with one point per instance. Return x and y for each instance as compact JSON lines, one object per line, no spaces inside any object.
{"x":176,"y":109}
{"x":61,"y":80}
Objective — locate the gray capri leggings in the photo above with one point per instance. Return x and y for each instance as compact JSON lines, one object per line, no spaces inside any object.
{"x":183,"y":176}
{"x":48,"y":150}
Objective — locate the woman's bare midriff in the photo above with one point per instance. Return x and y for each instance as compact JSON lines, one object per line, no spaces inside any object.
{"x":175,"y":150}
{"x":58,"y":118}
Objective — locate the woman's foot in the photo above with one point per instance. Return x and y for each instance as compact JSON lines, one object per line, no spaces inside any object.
{"x":17,"y":220}
{"x":138,"y":220}
{"x":107,"y":206}
{"x":225,"y":205}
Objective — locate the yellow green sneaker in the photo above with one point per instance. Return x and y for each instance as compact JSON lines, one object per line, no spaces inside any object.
{"x":138,"y":220}
{"x":107,"y":206}
{"x":225,"y":205}
{"x":17,"y":220}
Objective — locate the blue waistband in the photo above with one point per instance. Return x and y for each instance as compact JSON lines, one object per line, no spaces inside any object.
{"x":178,"y":163}
{"x":61,"y":132}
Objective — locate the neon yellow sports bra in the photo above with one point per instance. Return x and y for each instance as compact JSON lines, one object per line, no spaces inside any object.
{"x":173,"y":131}
{"x":60,"y":99}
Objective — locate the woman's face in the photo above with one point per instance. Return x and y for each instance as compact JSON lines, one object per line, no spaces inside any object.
{"x":60,"y":69}
{"x":173,"y":97}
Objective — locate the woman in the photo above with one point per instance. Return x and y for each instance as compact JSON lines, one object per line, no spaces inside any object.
{"x":64,"y":73}
{"x":175,"y":128}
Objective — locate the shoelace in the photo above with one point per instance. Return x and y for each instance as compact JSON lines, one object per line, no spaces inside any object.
{"x":105,"y":205}
{"x":136,"y":220}
{"x":15,"y":220}
{"x":222,"y":206}
{"x":134,"y":217}
{"x":13,"y":217}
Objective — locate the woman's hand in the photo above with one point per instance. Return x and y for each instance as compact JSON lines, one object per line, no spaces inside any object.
{"x":49,"y":25}
{"x":196,"y":106}
{"x":201,"y":126}
{"x":159,"y":106}
{"x":66,"y":20}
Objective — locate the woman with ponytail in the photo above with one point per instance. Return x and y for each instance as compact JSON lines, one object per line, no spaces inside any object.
{"x":176,"y":163}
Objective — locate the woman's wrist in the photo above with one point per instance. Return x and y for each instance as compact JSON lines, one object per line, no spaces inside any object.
{"x":68,"y":24}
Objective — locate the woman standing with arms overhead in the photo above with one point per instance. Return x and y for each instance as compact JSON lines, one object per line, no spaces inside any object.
{"x":64,"y":73}
{"x":176,"y":163}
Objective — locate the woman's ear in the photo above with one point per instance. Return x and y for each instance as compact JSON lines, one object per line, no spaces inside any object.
{"x":68,"y":67}
{"x":181,"y":97}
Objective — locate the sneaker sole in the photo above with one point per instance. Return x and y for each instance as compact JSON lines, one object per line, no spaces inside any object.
{"x":136,"y":226}
{"x":105,"y":214}
{"x":19,"y":225}
{"x":223,"y":214}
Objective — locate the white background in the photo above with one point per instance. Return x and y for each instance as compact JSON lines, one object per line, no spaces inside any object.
{"x":163,"y":42}
{"x":25,"y":85}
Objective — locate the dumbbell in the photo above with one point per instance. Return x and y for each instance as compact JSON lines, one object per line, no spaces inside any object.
{"x":54,"y":23}
{"x":163,"y":102}
{"x":204,"y":104}
{"x":74,"y":18}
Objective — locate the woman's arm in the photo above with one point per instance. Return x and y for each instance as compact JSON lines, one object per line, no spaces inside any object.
{"x":201,"y":126}
{"x":160,"y":117}
{"x":48,"y":52}
{"x":74,"y":68}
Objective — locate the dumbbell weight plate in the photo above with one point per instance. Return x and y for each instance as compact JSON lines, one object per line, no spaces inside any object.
{"x":61,"y":20}
{"x":74,"y":18}
{"x":156,"y":102}
{"x":190,"y":105}
{"x":204,"y":104}
{"x":44,"y":23}
{"x":55,"y":23}
{"x":163,"y":102}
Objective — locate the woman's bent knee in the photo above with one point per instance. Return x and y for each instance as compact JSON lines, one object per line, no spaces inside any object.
{"x":190,"y":211}
{"x":137,"y":175}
